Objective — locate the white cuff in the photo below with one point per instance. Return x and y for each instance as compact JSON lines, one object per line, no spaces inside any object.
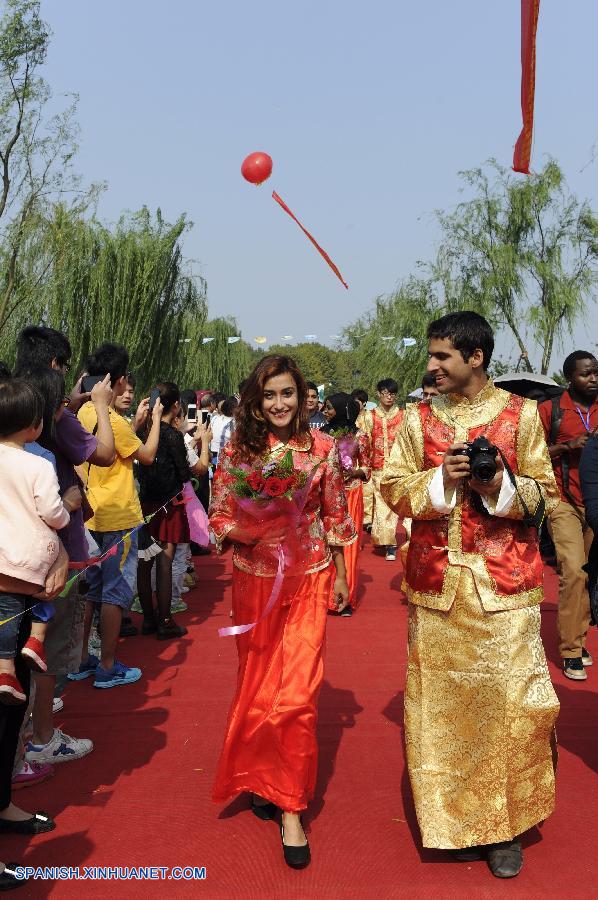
{"x":505,"y":498}
{"x":442,"y":501}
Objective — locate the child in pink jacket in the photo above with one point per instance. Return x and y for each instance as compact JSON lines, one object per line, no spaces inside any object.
{"x":31,"y":512}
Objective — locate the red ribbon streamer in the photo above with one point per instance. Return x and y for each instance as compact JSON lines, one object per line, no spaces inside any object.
{"x":530,"y":10}
{"x":281,"y":202}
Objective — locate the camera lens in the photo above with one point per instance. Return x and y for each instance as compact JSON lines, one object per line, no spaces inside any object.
{"x":483,"y":467}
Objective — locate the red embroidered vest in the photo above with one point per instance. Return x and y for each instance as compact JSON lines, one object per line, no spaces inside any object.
{"x":509,"y":548}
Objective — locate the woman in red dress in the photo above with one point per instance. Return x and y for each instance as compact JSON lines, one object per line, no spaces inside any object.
{"x":270,"y":745}
{"x":341,"y":411}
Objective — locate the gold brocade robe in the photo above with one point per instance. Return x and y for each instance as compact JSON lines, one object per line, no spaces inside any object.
{"x":479,"y":705}
{"x":382,"y":428}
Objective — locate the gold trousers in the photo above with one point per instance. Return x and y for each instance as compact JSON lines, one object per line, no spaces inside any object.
{"x":368,"y":502}
{"x":384,"y":521}
{"x":480,"y":711}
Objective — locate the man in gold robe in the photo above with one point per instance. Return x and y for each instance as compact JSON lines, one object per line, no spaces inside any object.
{"x":382,"y":425}
{"x":480,"y":708}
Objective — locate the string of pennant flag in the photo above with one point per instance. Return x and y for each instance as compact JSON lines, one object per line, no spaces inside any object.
{"x":262,"y":339}
{"x":79,"y":568}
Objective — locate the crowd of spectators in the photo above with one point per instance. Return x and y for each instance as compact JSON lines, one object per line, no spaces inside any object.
{"x":101,"y":472}
{"x":83,"y":476}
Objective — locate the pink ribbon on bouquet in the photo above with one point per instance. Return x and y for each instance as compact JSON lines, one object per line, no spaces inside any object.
{"x":276,"y":588}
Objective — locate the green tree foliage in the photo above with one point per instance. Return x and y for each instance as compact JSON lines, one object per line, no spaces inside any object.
{"x":36,"y":153}
{"x":376,"y":339}
{"x":129,"y":284}
{"x":524,"y":252}
{"x":334,"y":368}
{"x":218,"y":364}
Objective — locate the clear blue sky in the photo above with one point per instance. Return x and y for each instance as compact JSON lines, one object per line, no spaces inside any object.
{"x":369,"y":111}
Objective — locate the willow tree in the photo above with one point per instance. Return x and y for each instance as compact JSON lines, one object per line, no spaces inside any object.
{"x":128,"y":284}
{"x":37,"y":147}
{"x":217,"y":364}
{"x":333,"y":367}
{"x":390,"y":340}
{"x":526,"y":252}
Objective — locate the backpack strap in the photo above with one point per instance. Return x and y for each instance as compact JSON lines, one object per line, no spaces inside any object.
{"x":556,"y":417}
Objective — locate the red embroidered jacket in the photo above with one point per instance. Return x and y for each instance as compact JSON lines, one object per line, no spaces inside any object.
{"x":382,"y":428}
{"x":325,"y":520}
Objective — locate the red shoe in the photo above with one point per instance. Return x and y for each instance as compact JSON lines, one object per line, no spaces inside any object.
{"x":32,"y":773}
{"x":35,"y":655}
{"x":11,"y":691}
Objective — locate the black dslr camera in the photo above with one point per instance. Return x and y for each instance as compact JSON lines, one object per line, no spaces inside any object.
{"x":482,"y":459}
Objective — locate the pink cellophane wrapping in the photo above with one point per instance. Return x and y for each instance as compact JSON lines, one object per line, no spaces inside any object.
{"x":196,"y":516}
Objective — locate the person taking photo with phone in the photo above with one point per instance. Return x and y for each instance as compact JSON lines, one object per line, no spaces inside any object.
{"x":116,"y":513}
{"x":160,"y":483}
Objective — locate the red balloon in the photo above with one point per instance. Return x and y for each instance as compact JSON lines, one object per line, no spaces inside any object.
{"x":256,"y":167}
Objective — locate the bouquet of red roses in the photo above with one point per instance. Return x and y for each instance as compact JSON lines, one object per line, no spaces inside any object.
{"x":270,"y":498}
{"x":276,"y":478}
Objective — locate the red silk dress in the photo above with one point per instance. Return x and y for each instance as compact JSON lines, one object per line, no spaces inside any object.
{"x":354,"y":490}
{"x":270,"y":742}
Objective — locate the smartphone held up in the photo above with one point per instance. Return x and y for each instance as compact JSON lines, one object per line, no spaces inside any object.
{"x":88,"y":382}
{"x":153,"y":397}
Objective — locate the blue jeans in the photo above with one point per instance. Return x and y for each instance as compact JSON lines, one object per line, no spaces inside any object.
{"x":13,"y":605}
{"x":110,"y":582}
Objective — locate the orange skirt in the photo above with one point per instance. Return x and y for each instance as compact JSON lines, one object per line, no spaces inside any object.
{"x":270,"y":742}
{"x":351,"y":553}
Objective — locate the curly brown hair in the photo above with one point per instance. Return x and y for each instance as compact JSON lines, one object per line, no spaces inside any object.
{"x":250,"y":437}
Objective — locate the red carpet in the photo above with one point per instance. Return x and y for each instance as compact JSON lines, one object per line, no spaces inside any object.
{"x":142,"y":797}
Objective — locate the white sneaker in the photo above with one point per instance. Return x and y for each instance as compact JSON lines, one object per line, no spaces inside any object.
{"x":57,"y":704}
{"x":391,"y":553}
{"x":574,"y":669}
{"x":61,"y":748}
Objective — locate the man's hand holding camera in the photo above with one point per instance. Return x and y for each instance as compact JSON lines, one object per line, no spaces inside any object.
{"x":457,"y":465}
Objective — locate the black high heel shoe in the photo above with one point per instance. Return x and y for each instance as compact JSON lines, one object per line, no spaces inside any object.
{"x":9,"y":878}
{"x":264,"y":811}
{"x":295,"y":857}
{"x":37,"y":824}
